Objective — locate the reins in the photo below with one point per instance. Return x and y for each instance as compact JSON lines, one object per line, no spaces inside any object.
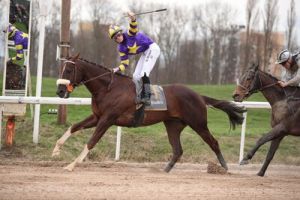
{"x":267,"y":86}
{"x":288,"y":97}
{"x":261,"y":88}
{"x":91,"y":79}
{"x":249,"y":91}
{"x":94,"y":78}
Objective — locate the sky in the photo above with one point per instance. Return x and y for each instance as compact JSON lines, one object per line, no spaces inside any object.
{"x":239,"y":5}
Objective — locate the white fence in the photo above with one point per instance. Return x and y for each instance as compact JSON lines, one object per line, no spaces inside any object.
{"x":87,"y":101}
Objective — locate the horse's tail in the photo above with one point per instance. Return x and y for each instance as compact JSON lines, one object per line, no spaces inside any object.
{"x":234,"y":112}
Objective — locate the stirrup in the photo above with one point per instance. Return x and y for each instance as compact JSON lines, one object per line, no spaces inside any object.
{"x":146,"y":101}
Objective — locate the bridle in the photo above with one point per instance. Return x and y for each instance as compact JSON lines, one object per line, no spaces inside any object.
{"x":260,"y":88}
{"x":70,"y":86}
{"x":266,"y":86}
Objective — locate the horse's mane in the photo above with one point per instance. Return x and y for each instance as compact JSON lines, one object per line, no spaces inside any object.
{"x":270,"y":75}
{"x":103,"y":67}
{"x":276,"y":79}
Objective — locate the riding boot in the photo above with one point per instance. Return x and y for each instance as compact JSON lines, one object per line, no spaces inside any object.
{"x":146,"y":92}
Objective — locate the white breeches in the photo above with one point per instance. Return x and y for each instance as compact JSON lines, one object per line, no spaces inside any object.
{"x":146,"y":62}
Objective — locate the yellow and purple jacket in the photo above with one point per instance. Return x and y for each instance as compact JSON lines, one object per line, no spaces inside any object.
{"x":21,"y":41}
{"x":134,"y":43}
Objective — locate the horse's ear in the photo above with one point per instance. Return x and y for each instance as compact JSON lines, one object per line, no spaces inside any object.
{"x":76,"y":57}
{"x":257,"y":64}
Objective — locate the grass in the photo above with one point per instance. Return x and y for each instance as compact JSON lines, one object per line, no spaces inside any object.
{"x":147,"y":144}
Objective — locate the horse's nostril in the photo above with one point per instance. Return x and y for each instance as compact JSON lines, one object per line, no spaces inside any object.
{"x":60,"y":93}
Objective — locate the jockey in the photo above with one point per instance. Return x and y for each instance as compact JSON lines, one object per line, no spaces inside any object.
{"x":134,"y":42}
{"x":20,"y":39}
{"x":291,"y":63}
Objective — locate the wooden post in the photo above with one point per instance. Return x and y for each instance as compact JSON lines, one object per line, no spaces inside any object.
{"x":64,"y":49}
{"x":10,"y":131}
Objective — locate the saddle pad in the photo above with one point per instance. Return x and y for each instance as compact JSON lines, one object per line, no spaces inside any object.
{"x":158,"y":99}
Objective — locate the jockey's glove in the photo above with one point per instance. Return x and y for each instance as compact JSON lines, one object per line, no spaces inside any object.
{"x":131,"y":15}
{"x":116,"y":69}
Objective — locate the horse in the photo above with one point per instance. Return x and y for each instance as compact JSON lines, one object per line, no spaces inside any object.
{"x":113,"y":103}
{"x":285,"y":110}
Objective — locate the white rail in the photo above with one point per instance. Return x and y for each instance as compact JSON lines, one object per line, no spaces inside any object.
{"x":45,"y":100}
{"x":87,"y":101}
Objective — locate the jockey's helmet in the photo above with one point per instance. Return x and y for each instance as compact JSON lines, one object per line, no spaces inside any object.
{"x":11,"y":30}
{"x":113,"y":30}
{"x":283,"y":56}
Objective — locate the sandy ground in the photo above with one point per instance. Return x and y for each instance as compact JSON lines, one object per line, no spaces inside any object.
{"x":110,"y":180}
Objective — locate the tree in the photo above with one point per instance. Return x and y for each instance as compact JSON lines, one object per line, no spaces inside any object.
{"x":251,"y":13}
{"x":291,"y":23}
{"x":232,"y":55}
{"x":217,"y":18}
{"x":51,"y":41}
{"x":270,"y":18}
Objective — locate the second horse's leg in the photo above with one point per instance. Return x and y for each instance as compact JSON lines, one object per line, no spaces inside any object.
{"x":273,"y":147}
{"x":89,"y":122}
{"x":277,"y":131}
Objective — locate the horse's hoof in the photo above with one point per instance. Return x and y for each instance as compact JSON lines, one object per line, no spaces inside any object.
{"x":224,"y":166}
{"x":168,"y":169}
{"x":55,"y":153}
{"x":260,"y":174}
{"x":244,"y":162}
{"x":70,"y":167}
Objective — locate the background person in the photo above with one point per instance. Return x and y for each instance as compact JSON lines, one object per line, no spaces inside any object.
{"x":20,"y":40}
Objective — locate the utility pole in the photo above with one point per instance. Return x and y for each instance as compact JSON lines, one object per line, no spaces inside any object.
{"x":64,"y":50}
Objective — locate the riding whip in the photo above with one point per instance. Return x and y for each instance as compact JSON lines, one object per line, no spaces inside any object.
{"x":142,"y":13}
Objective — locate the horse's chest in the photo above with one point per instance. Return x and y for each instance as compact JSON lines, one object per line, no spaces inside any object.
{"x":280,"y":110}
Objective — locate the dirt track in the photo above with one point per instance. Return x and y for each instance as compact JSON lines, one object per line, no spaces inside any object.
{"x":109,"y":180}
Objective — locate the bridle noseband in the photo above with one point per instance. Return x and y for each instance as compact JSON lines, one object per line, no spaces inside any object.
{"x":70,"y":86}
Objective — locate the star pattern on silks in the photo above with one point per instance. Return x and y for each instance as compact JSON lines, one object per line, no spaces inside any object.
{"x":24,"y":35}
{"x":133,"y":49}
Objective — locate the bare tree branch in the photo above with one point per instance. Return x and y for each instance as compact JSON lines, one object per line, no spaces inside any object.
{"x":291,"y":23}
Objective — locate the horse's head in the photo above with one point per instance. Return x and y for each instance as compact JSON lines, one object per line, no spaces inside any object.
{"x":247,"y":84}
{"x":70,"y":77}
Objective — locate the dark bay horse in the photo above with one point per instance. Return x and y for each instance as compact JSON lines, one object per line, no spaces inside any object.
{"x":285,"y":104}
{"x":113,"y":103}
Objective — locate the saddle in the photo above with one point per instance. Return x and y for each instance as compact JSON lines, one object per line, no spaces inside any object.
{"x":158,"y":102}
{"x":158,"y":99}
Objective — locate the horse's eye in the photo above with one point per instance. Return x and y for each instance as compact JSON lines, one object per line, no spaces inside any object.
{"x":68,"y":71}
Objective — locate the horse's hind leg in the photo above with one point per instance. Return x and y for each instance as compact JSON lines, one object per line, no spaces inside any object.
{"x":211,"y":141}
{"x":174,"y":128}
{"x":89,"y":122}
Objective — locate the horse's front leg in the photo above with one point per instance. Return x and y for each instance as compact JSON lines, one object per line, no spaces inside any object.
{"x":89,"y":122}
{"x":103,"y":124}
{"x":273,"y":147}
{"x":277,"y":131}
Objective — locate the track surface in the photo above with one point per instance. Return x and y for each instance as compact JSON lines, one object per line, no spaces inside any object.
{"x":110,"y":180}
